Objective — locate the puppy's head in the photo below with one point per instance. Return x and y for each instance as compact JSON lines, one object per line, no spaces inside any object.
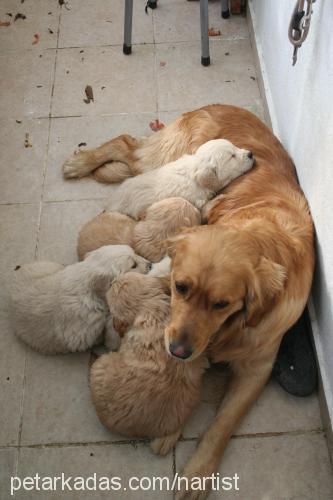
{"x":132,"y":294}
{"x":216,"y":276}
{"x":117,"y":259}
{"x":221,"y":162}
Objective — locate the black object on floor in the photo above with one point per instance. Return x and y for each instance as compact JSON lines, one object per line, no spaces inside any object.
{"x":295,"y":367}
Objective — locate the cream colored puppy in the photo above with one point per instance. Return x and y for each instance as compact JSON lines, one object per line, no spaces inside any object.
{"x":141,"y":390}
{"x":56,"y":309}
{"x":197,"y":178}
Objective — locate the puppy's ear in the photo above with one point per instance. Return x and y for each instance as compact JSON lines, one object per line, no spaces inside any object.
{"x":206,"y":176}
{"x":267,"y":283}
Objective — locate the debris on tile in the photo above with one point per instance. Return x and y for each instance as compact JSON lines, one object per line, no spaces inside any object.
{"x":17,"y":268}
{"x":4,"y":23}
{"x":9,"y":14}
{"x":67,"y":72}
{"x":81,"y":51}
{"x":49,"y":13}
{"x":227,"y":53}
{"x":19,"y":16}
{"x":252,"y":78}
{"x":156,"y":125}
{"x":18,"y":121}
{"x":82,"y":144}
{"x":36,"y":39}
{"x":162,"y":64}
{"x":27,"y":143}
{"x":214,"y":32}
{"x":89,"y":94}
{"x":102,"y":88}
{"x":50,"y":31}
{"x":22,"y":1}
{"x":65,"y":3}
{"x":39,"y":86}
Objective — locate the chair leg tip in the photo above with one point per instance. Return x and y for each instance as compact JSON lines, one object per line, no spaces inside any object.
{"x":127,"y":49}
{"x":205,"y":61}
{"x":225,"y":14}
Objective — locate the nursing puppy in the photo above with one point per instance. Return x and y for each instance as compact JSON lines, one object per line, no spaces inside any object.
{"x":161,"y":221}
{"x":141,"y":390}
{"x":196,"y":178}
{"x":56,"y":309}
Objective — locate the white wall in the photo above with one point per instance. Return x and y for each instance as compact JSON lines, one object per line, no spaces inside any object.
{"x":300,"y":101}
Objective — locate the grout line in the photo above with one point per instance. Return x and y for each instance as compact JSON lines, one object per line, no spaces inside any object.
{"x":135,"y":442}
{"x":155,"y":66}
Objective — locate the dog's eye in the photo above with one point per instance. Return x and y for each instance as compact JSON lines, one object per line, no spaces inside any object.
{"x":221,"y":305}
{"x":134,"y":265}
{"x":181,"y":288}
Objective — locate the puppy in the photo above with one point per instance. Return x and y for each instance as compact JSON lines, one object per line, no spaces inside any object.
{"x":141,"y":390}
{"x":56,"y":309}
{"x":197,"y":178}
{"x":161,"y":221}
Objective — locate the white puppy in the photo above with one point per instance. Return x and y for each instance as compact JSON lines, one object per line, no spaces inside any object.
{"x":57,"y":309}
{"x":197,"y":178}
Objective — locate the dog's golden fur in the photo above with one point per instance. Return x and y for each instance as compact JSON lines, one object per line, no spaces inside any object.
{"x":258,"y":256}
{"x":160,"y":221}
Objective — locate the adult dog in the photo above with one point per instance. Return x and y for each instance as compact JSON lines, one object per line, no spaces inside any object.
{"x":239,"y":285}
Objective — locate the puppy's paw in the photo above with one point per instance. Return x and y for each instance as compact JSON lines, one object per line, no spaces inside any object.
{"x":162,"y":446}
{"x":77,"y":166}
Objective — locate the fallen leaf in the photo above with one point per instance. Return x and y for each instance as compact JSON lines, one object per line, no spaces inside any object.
{"x":89,"y":94}
{"x":156,"y":125}
{"x":214,"y":32}
{"x":19,"y":16}
{"x":82,"y":144}
{"x":4,"y":23}
{"x":27,"y":143}
{"x":36,"y":39}
{"x":162,"y":64}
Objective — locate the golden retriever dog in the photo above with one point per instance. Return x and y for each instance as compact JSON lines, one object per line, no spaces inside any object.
{"x":160,"y":221}
{"x":141,"y":390}
{"x":241,"y":282}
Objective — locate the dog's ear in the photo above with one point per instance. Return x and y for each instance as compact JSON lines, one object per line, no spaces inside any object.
{"x":172,"y":243}
{"x":267,"y":283}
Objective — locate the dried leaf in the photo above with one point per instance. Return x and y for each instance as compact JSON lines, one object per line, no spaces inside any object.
{"x":156,"y":125}
{"x":82,"y":144}
{"x":4,"y":23}
{"x":89,"y":94}
{"x":214,"y":32}
{"x":36,"y":39}
{"x":19,"y":16}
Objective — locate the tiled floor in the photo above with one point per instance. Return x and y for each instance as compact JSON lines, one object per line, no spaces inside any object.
{"x":47,"y":423}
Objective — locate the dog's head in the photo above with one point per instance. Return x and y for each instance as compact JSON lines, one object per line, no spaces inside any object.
{"x":216,"y":276}
{"x":220,"y":163}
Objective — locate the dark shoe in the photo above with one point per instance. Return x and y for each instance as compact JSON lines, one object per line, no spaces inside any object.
{"x":295,"y":367}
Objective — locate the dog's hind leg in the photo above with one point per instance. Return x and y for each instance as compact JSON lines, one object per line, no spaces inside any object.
{"x":115,"y":171}
{"x":117,"y":150}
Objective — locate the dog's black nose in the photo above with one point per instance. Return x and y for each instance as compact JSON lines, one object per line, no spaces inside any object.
{"x":180,"y":350}
{"x":250,"y":154}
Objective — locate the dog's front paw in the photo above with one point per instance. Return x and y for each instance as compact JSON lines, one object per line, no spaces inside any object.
{"x":77,"y":166}
{"x":185,"y":493}
{"x":195,"y":482}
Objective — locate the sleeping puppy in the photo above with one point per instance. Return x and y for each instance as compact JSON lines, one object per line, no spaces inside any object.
{"x":141,"y":390}
{"x":56,"y":309}
{"x":161,"y":221}
{"x":197,"y":178}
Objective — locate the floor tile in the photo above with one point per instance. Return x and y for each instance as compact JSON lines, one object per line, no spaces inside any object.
{"x":102,"y":24}
{"x":116,"y":80}
{"x":229,"y":79}
{"x":273,"y":468}
{"x":274,"y":411}
{"x":57,"y":405}
{"x":42,"y":18}
{"x":12,"y":362}
{"x":18,"y":229}
{"x":21,"y":175}
{"x":60,"y":225}
{"x":8,"y":458}
{"x":25,"y":83}
{"x":68,"y":133}
{"x":112,"y":461}
{"x":176,"y":21}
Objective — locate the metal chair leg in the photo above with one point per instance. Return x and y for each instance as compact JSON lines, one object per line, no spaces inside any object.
{"x":205,"y":58}
{"x":127,"y":47}
{"x":225,"y":12}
